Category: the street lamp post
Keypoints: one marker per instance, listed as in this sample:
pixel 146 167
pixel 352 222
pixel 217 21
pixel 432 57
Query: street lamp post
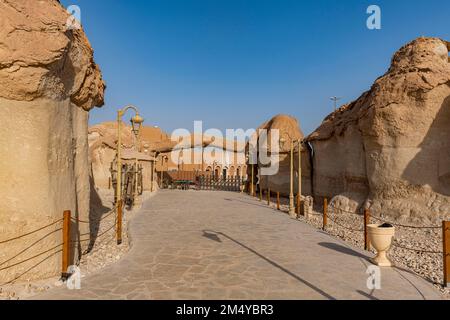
pixel 136 123
pixel 252 187
pixel 291 194
pixel 163 159
pixel 291 176
pixel 335 100
pixel 299 173
pixel 136 128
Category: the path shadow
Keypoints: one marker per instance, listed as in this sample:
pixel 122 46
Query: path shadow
pixel 211 236
pixel 273 263
pixel 367 295
pixel 96 212
pixel 342 249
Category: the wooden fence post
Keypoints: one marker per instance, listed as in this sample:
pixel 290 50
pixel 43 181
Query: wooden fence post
pixel 268 197
pixel 446 251
pixel 119 222
pixel 278 200
pixel 66 243
pixel 325 212
pixel 366 233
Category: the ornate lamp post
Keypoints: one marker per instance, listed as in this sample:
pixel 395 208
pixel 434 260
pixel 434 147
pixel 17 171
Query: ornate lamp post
pixel 252 182
pixel 291 184
pixel 291 194
pixel 163 159
pixel 136 123
pixel 299 171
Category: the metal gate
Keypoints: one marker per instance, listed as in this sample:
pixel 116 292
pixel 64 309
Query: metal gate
pixel 219 184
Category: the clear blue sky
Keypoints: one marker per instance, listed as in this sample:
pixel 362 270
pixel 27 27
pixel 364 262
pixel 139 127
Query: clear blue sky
pixel 236 63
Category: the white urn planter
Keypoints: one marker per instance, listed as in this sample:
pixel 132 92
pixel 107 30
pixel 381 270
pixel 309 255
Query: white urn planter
pixel 380 237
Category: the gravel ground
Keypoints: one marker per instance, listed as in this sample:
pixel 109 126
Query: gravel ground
pixel 349 227
pixel 105 252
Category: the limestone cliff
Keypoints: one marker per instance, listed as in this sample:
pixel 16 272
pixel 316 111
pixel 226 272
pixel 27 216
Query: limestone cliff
pixel 390 149
pixel 49 83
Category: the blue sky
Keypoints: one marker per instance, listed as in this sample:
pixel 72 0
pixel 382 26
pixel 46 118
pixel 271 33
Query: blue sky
pixel 236 63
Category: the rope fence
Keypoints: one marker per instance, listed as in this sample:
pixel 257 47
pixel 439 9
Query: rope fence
pixel 331 214
pixel 62 225
pixel 31 232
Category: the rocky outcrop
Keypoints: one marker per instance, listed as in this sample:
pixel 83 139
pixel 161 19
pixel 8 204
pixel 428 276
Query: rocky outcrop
pixel 103 150
pixel 290 132
pixel 390 149
pixel 41 58
pixel 49 83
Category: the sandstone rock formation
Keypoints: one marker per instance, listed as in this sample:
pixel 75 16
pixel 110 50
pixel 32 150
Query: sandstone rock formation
pixel 289 130
pixel 103 150
pixel 49 83
pixel 390 149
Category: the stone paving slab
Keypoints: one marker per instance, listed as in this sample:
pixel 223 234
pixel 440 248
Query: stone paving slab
pixel 220 245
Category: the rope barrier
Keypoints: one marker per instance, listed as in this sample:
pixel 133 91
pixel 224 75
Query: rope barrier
pixel 30 233
pixel 98 220
pixel 61 250
pixel 31 258
pixel 385 221
pixel 394 244
pixel 31 246
pixel 342 226
pixel 98 236
pixel 416 250
pixel 345 211
pixel 39 263
pixel 402 225
pixel 345 227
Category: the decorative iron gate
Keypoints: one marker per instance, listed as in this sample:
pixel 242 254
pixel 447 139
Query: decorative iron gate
pixel 219 184
pixel 129 184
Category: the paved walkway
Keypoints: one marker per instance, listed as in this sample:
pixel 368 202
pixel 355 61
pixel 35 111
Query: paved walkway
pixel 218 245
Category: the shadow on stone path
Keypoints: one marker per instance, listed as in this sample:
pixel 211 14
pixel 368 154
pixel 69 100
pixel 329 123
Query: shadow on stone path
pixel 219 245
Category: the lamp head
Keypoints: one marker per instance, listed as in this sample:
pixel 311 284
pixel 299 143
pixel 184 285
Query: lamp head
pixel 136 124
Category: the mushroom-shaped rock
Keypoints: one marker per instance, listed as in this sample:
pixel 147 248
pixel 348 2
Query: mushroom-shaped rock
pixel 49 83
pixel 289 134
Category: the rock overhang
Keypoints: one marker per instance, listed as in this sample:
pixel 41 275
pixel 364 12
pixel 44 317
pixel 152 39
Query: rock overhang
pixel 40 57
